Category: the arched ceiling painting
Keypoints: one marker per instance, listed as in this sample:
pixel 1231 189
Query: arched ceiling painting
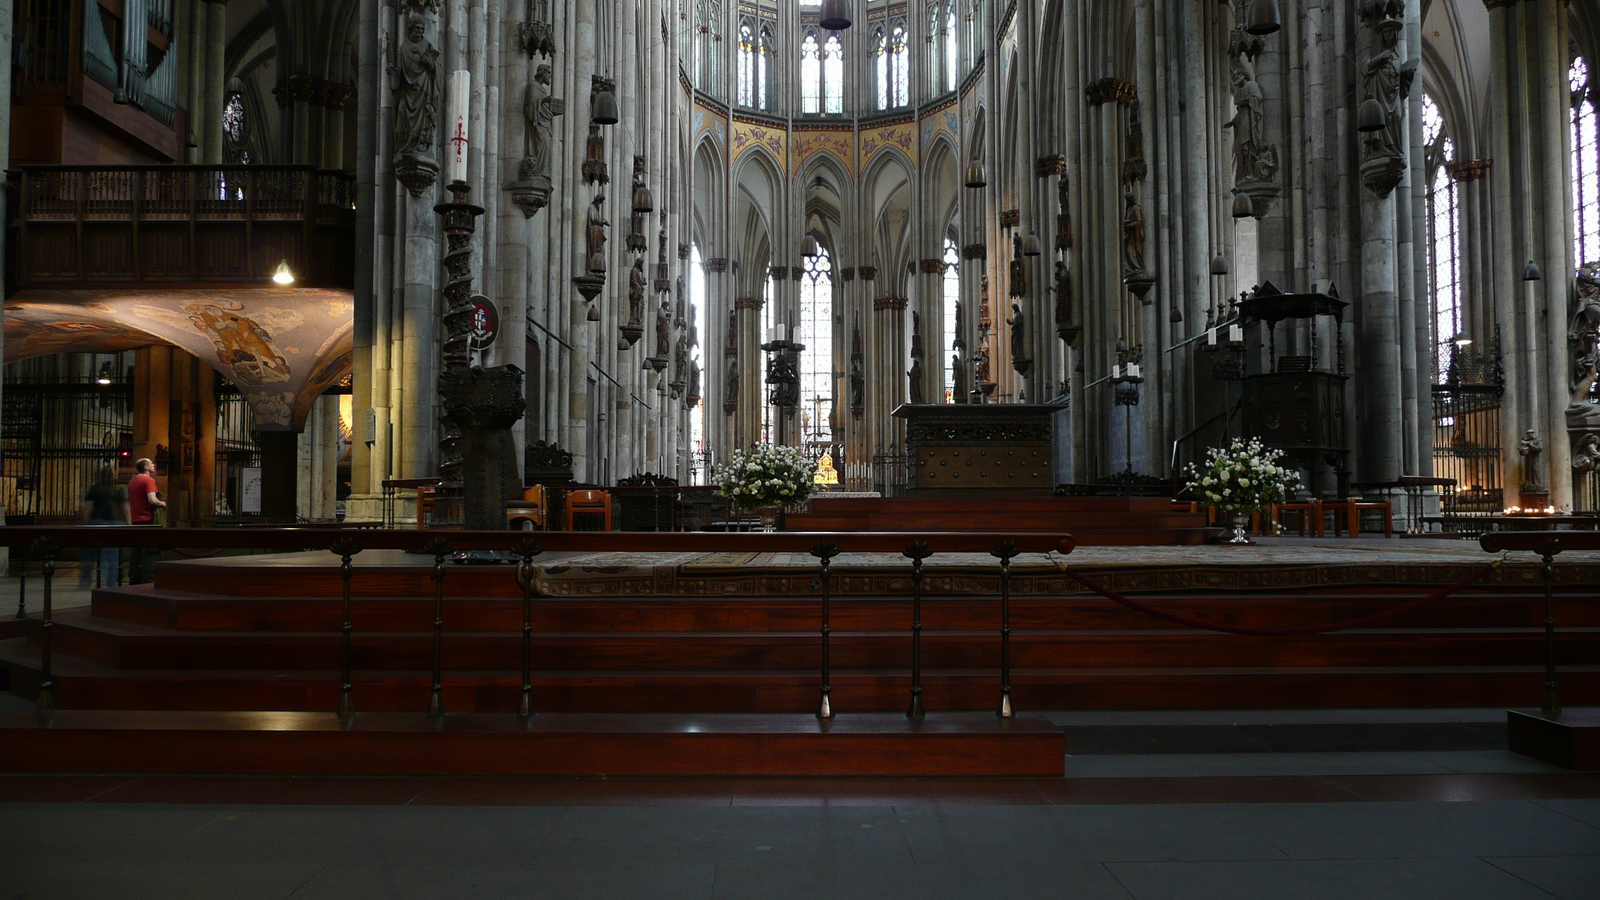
pixel 281 347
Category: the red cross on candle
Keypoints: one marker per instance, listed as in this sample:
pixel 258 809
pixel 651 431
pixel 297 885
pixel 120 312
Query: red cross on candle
pixel 460 140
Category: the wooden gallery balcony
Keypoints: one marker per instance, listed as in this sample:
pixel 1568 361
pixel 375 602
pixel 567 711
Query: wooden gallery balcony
pixel 87 227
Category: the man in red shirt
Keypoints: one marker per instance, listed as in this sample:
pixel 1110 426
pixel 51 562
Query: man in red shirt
pixel 143 501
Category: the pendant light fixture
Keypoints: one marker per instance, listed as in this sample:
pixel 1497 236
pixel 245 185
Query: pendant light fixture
pixel 1030 245
pixel 1264 17
pixel 105 373
pixel 283 275
pixel 1371 116
pixel 642 201
pixel 1243 206
pixel 809 248
pixel 603 111
pixel 1219 265
pixel 975 176
pixel 1532 272
pixel 835 14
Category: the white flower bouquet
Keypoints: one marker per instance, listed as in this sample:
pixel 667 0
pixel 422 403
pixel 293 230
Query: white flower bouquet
pixel 765 475
pixel 1242 477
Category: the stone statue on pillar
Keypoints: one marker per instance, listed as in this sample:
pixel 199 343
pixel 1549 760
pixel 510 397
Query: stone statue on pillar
pixel 663 353
pixel 1387 83
pixel 1531 448
pixel 417 82
pixel 1255 162
pixel 531 191
pixel 917 392
pixel 958 379
pixel 1132 234
pixel 1020 360
pixel 1065 329
pixel 1019 268
pixel 595 235
pixel 730 385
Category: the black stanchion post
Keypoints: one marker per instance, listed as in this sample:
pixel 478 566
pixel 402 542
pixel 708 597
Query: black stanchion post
pixel 825 552
pixel 917 552
pixel 46 549
pixel 346 549
pixel 1004 551
pixel 22 584
pixel 527 550
pixel 440 549
pixel 1552 703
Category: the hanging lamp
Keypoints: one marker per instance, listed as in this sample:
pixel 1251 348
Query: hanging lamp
pixel 283 275
pixel 642 201
pixel 603 111
pixel 835 15
pixel 1219 265
pixel 1243 206
pixel 1532 272
pixel 809 248
pixel 1030 245
pixel 975 176
pixel 1371 116
pixel 1264 17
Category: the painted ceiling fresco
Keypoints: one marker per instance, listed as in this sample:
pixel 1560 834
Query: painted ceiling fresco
pixel 282 347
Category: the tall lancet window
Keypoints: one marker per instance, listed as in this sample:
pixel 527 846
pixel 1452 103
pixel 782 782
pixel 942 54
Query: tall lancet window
pixel 763 68
pixel 759 371
pixel 707 40
pixel 1585 164
pixel 952 294
pixel 700 462
pixel 748 52
pixel 880 66
pixel 833 76
pixel 899 66
pixel 815 330
pixel 1444 246
pixel 810 74
pixel 952 50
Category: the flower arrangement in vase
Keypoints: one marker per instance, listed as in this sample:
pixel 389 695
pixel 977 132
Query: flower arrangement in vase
pixel 1240 479
pixel 765 478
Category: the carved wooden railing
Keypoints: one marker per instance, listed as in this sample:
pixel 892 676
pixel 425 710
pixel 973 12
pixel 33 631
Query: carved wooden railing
pixel 81 226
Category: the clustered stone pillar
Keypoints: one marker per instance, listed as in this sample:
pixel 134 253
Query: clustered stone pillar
pixel 1532 204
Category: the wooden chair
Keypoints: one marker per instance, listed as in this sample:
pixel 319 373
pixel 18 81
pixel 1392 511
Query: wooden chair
pixel 531 513
pixel 1347 514
pixel 581 503
pixel 425 497
pixel 1310 515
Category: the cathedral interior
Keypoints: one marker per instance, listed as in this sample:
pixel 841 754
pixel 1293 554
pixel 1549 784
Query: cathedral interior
pixel 710 224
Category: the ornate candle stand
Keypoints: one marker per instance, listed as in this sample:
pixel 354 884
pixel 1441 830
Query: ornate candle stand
pixel 478 469
pixel 783 380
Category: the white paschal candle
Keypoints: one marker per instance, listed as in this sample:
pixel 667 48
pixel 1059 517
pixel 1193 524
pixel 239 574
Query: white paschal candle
pixel 460 99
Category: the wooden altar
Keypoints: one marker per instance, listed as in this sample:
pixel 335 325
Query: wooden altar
pixel 973 449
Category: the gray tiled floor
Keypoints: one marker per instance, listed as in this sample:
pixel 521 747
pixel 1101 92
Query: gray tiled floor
pixel 1413 851
pixel 885 842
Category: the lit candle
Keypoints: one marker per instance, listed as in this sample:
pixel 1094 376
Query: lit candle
pixel 460 98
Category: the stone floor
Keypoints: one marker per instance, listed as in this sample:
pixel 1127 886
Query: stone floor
pixel 1369 804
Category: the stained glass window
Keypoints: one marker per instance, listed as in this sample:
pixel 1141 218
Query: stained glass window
pixel 880 66
pixel 233 118
pixel 899 67
pixel 833 76
pixel 1444 246
pixel 816 362
pixel 952 294
pixel 747 65
pixel 810 74
pixel 1585 165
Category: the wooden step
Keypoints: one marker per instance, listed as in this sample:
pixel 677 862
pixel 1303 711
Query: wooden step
pixel 83 684
pixel 397 744
pixel 136 647
pixel 1029 612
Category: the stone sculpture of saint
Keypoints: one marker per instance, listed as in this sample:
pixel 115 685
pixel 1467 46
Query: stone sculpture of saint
pixel 1585 326
pixel 1019 334
pixel 664 331
pixel 1019 268
pixel 595 233
pixel 540 112
pixel 984 374
pixel 1388 83
pixel 416 83
pixel 1063 293
pixel 1133 234
pixel 733 330
pixel 1247 116
pixel 917 351
pixel 636 285
pixel 1531 448
pixel 858 382
pixel 958 379
pixel 916 394
pixel 731 383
